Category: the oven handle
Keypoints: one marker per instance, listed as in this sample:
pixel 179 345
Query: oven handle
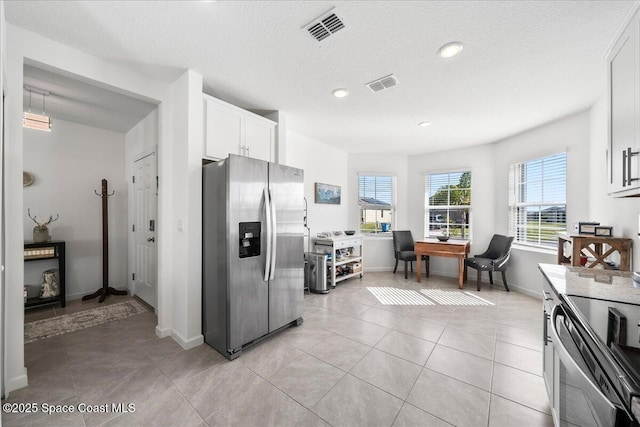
pixel 573 367
pixel 545 318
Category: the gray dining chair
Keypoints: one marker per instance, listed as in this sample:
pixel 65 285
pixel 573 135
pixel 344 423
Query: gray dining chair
pixel 403 251
pixel 495 258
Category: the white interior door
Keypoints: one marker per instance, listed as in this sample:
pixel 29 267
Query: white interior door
pixel 145 229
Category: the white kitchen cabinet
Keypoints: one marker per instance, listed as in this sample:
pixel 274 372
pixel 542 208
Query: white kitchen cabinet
pixel 259 135
pixel 624 112
pixel 232 130
pixel 345 257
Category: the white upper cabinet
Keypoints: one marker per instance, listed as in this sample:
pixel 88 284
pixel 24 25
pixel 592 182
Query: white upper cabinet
pixel 259 134
pixel 624 112
pixel 232 130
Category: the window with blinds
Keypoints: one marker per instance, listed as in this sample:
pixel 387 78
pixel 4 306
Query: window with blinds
pixel 376 203
pixel 538 200
pixel 448 204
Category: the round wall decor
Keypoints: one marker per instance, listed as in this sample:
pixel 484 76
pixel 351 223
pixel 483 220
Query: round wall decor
pixel 27 179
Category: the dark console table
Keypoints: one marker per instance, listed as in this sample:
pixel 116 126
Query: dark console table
pixel 44 251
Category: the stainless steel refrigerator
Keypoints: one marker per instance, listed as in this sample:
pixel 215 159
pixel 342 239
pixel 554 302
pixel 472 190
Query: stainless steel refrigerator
pixel 253 254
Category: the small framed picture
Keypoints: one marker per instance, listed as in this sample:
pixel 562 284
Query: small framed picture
pixel 604 231
pixel 587 227
pixel 327 193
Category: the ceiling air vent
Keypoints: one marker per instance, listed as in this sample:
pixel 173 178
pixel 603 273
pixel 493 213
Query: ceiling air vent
pixel 325 26
pixel 383 83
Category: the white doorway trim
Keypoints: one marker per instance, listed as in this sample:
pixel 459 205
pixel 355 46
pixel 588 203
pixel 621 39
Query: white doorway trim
pixel 143 228
pixel 2 242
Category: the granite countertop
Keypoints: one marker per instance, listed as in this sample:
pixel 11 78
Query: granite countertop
pixel 612 285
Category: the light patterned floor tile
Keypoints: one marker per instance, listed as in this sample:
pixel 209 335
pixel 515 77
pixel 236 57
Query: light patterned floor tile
pixel 471 343
pixel 324 372
pixel 408 347
pixel 521 387
pixel 410 416
pixel 262 405
pixel 456 402
pixel 340 352
pixel 353 402
pixel 519 357
pixel 507 413
pixel 306 379
pixel 387 372
pixel 462 366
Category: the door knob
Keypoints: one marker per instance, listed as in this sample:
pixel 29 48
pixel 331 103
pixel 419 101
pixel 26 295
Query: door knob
pixel 151 239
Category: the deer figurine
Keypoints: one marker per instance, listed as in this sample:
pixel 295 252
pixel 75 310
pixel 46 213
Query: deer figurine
pixel 41 231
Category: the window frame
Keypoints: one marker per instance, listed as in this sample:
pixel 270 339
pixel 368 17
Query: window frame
pixel 393 209
pixel 513 206
pixel 426 221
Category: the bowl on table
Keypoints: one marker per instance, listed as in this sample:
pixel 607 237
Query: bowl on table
pixel 442 238
pixel 350 232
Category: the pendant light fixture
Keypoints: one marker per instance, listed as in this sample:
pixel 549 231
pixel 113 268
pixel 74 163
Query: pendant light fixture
pixel 36 121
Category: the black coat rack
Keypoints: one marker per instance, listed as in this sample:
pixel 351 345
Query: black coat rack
pixel 106 289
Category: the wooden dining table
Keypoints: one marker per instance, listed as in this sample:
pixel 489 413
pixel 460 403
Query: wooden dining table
pixel 452 248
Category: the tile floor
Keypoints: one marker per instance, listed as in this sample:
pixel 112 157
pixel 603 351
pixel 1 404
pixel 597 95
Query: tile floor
pixel 353 362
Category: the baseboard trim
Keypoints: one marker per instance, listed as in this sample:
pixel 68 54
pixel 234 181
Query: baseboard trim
pixel 377 269
pixel 163 332
pixel 185 343
pixel 526 291
pixel 79 295
pixel 17 383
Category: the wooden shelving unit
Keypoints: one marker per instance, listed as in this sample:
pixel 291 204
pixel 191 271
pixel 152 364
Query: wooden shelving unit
pixel 332 246
pixel 597 248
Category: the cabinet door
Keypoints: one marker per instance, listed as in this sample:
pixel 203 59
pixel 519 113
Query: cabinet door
pixel 259 138
pixel 623 72
pixel 223 131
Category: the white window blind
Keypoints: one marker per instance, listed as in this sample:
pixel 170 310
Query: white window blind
pixel 538 200
pixel 448 204
pixel 375 200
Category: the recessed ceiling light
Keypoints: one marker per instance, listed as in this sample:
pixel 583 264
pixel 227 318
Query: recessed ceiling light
pixel 450 50
pixel 424 124
pixel 340 93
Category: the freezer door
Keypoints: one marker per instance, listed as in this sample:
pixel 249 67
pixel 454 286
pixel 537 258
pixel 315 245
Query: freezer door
pixel 248 293
pixel 286 288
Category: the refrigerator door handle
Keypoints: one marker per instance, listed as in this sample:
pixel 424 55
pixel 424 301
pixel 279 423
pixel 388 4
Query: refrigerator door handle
pixel 267 211
pixel 274 237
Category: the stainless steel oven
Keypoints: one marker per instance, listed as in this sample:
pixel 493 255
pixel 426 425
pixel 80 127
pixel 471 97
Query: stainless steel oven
pixel 586 382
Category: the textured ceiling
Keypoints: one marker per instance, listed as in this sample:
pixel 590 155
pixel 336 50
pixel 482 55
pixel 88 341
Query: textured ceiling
pixel 74 100
pixel 524 63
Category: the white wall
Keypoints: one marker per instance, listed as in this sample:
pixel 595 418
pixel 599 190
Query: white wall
pixel 180 215
pixel 141 138
pixel 570 134
pixel 621 213
pixel 68 164
pixel 479 160
pixel 325 164
pixel 378 250
pixel 178 317
pixel 489 165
